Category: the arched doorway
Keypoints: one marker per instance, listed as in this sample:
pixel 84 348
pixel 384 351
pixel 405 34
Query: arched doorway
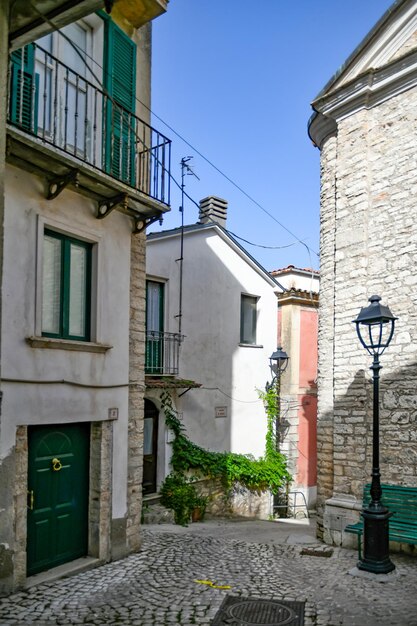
pixel 150 447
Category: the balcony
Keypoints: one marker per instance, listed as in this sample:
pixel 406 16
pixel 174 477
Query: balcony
pixel 63 126
pixel 26 22
pixel 162 353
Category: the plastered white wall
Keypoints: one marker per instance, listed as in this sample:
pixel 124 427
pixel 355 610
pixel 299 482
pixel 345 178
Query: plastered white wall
pixel 214 277
pixel 40 400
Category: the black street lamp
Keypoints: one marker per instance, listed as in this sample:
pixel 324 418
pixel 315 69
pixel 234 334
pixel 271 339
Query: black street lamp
pixel 375 327
pixel 278 362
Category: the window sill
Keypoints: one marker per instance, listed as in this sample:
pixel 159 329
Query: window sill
pixel 250 345
pixel 67 344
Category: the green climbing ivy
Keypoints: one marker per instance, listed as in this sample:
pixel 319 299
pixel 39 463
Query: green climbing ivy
pixel 257 475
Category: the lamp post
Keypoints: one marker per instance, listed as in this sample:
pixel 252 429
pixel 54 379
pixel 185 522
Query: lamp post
pixel 375 327
pixel 278 362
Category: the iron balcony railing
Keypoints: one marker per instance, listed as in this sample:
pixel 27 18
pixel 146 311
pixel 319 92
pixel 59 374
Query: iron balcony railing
pixel 162 352
pixel 61 107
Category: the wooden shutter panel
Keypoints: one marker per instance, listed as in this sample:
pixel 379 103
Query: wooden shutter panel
pixel 120 83
pixel 24 89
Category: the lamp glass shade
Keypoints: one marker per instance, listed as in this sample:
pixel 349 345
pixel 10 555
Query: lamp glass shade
pixel 375 326
pixel 278 360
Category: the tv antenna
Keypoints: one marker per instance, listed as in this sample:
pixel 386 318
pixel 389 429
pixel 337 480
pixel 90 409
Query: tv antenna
pixel 186 170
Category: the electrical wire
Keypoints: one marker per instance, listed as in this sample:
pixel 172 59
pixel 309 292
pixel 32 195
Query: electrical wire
pixel 230 397
pixel 257 245
pixel 84 54
pixel 63 381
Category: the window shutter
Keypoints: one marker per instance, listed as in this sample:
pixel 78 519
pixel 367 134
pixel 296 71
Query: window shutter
pixel 24 89
pixel 120 82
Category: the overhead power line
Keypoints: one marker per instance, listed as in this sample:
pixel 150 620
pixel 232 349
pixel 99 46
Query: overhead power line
pixel 83 54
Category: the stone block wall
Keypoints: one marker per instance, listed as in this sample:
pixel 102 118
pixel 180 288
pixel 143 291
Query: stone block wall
pixel 136 391
pixel 368 246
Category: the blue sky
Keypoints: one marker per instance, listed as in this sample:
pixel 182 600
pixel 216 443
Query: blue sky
pixel 235 78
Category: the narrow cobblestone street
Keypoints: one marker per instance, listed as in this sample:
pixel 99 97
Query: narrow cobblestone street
pixel 157 587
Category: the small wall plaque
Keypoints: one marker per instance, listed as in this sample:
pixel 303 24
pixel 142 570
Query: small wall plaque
pixel 220 411
pixel 113 414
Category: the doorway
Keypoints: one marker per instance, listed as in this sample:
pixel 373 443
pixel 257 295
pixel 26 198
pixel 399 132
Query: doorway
pixel 58 486
pixel 150 447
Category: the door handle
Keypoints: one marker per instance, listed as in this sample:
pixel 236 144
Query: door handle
pixel 56 465
pixel 31 499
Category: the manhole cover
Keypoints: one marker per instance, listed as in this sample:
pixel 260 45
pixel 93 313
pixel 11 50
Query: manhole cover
pixel 258 612
pixel 261 612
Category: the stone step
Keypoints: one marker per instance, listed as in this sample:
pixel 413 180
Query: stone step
pixel 155 513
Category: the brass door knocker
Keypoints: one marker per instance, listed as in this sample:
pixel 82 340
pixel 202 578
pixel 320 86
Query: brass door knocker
pixel 56 465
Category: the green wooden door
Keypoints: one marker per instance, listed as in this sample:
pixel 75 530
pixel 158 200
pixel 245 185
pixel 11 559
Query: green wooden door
pixel 58 479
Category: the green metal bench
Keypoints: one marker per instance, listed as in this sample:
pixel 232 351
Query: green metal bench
pixel 402 502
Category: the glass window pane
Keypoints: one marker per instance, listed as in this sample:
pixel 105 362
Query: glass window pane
pixel 153 306
pixel 77 290
pixel 71 57
pixel 248 319
pixel 45 42
pixel 51 285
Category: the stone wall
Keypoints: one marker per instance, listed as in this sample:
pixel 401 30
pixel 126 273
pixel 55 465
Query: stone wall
pixel 368 245
pixel 136 391
pixel 240 503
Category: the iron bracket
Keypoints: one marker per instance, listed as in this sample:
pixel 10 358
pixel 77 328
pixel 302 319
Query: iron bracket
pixel 142 222
pixel 58 184
pixel 107 206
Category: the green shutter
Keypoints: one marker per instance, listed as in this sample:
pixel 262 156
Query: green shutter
pixel 24 93
pixel 120 83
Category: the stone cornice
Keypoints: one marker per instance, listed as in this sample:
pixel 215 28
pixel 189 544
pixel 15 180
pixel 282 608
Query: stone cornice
pixel 320 128
pixel 365 92
pixel 299 296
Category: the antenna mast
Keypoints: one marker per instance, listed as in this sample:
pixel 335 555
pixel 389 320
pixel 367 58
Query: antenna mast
pixel 186 170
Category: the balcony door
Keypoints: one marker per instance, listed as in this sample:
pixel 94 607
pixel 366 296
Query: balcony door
pixel 65 104
pixel 154 327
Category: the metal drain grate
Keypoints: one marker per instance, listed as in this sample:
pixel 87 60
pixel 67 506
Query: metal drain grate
pixel 257 612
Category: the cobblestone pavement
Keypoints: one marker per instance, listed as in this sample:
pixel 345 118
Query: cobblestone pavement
pixel 157 587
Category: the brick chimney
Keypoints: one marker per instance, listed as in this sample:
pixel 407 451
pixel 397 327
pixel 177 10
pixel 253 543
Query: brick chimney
pixel 213 209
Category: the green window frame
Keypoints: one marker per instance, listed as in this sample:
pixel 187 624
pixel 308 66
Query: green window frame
pixel 66 287
pixel 248 317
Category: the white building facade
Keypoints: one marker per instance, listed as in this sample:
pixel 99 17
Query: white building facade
pixel 227 315
pixel 76 203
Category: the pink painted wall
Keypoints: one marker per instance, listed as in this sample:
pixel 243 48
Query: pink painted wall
pixel 307 399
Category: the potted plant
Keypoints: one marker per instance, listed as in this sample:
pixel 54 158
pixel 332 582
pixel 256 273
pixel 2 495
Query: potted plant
pixel 198 512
